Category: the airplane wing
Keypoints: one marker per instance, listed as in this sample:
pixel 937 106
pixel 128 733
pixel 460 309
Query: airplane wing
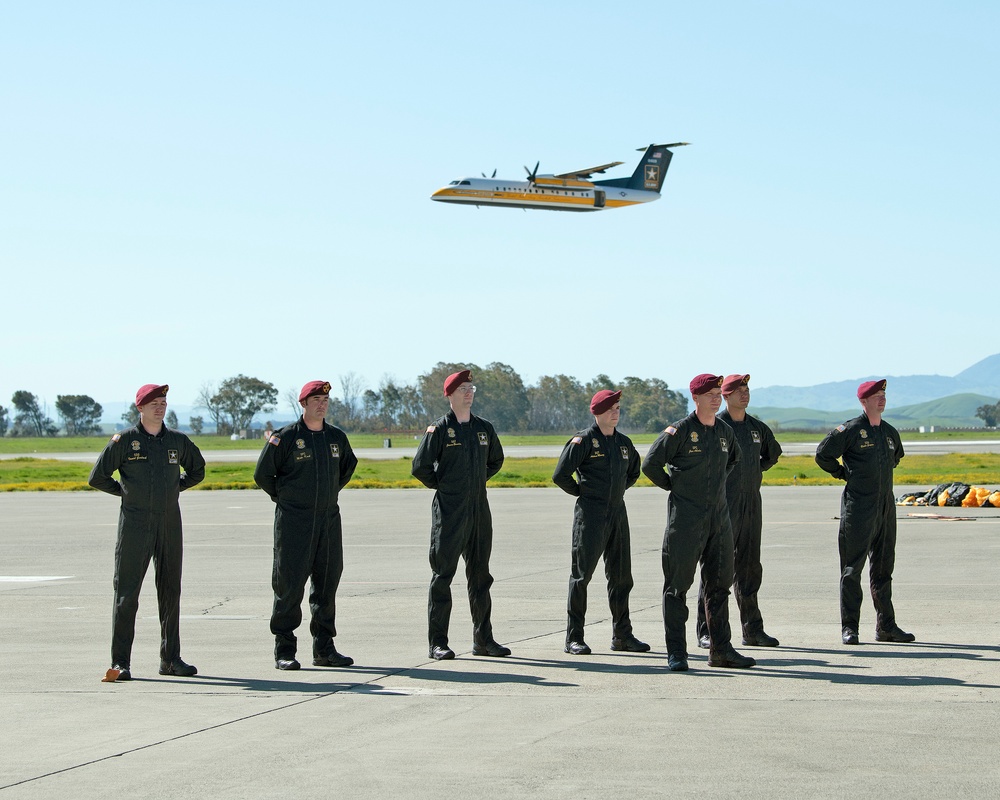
pixel 586 173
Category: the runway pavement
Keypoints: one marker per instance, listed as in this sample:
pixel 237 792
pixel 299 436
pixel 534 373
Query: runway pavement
pixel 922 447
pixel 813 719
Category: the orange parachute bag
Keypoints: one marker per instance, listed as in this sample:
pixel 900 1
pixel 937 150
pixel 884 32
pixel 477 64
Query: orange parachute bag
pixel 976 497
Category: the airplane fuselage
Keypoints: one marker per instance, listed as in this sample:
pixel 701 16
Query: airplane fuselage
pixel 554 194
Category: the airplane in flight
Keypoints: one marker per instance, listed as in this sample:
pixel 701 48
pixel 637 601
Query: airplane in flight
pixel 569 191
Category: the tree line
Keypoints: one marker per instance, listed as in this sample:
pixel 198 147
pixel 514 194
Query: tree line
pixel 80 415
pixel 555 404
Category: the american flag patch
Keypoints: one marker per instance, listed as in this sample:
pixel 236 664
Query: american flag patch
pixel 116 437
pixel 275 440
pixel 576 440
pixel 671 430
pixel 431 428
pixel 841 428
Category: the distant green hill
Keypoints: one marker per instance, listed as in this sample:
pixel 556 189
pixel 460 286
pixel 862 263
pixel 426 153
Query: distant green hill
pixel 956 411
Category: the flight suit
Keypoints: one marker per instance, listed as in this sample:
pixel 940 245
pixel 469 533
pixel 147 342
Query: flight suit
pixel 149 526
pixel 867 513
pixel 692 460
pixel 759 452
pixel 303 471
pixel 456 460
pixel 606 466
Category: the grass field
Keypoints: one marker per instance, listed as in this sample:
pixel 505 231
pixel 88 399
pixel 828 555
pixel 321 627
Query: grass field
pixel 40 474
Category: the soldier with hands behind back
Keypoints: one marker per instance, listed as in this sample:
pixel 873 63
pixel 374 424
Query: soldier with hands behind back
pixel 155 464
pixel 597 466
pixel 456 457
pixel 691 459
pixel 759 451
pixel 863 452
pixel 303 467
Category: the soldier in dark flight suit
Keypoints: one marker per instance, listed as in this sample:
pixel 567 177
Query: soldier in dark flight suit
pixel 759 451
pixel 303 467
pixel 691 459
pixel 608 465
pixel 149 458
pixel 869 449
pixel 457 455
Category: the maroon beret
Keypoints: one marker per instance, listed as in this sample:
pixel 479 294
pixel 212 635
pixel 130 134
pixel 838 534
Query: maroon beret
pixel 700 384
pixel 868 388
pixel 456 379
pixel 150 392
pixel 313 388
pixel 734 382
pixel 603 400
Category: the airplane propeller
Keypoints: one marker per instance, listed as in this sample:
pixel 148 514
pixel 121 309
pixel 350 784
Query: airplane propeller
pixel 492 176
pixel 532 174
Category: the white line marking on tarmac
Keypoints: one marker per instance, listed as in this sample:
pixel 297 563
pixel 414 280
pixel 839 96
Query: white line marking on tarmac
pixel 32 578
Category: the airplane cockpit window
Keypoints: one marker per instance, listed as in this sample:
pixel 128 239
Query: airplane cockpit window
pixel 465 183
pixel 453 183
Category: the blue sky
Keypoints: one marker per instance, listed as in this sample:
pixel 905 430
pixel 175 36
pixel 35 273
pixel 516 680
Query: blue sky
pixel 198 190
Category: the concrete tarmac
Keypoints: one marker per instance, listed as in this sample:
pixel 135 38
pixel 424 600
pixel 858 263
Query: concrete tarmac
pixel 408 449
pixel 813 719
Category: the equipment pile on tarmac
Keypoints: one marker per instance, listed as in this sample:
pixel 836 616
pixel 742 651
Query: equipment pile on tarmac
pixel 952 494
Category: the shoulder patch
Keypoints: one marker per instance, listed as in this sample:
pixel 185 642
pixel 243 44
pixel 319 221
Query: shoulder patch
pixel 116 437
pixel 275 440
pixel 671 430
pixel 431 428
pixel 841 428
pixel 576 440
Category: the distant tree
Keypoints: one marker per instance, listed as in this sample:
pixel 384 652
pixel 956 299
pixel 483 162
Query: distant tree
pixel 371 408
pixel 291 398
pixel 338 414
pixel 390 402
pixel 989 414
pixel 206 399
pixel 4 421
pixel 31 419
pixel 558 403
pixel 602 381
pixel 131 416
pixel 399 406
pixel 501 397
pixel 240 399
pixel 196 424
pixel 352 387
pixel 171 420
pixel 649 404
pixel 411 411
pixel 81 415
pixel 430 388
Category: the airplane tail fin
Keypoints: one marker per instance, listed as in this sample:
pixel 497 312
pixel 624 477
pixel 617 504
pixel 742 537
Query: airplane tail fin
pixel 650 172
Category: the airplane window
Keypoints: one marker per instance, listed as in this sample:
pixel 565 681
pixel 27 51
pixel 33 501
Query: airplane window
pixel 465 183
pixel 453 183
